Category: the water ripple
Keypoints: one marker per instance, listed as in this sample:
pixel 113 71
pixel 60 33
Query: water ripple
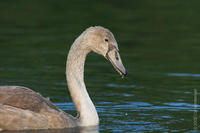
pixel 120 86
pixel 183 75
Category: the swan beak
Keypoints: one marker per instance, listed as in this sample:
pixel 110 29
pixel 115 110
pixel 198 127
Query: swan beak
pixel 114 58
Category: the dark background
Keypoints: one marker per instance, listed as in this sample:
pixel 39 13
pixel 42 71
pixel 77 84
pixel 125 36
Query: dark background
pixel 159 44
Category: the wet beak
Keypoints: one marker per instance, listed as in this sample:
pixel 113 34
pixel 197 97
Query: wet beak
pixel 114 58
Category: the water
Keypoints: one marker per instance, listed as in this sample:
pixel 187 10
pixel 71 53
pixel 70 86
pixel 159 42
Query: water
pixel 159 45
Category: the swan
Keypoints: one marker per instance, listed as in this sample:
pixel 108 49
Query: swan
pixel 22 109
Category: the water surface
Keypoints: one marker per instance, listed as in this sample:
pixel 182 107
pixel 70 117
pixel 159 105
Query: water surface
pixel 159 45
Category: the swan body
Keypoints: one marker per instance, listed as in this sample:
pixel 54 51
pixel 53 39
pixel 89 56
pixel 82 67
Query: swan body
pixel 22 109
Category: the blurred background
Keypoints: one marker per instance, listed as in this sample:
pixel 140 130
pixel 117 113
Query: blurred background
pixel 159 43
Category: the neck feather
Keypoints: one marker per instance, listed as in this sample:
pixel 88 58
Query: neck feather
pixel 75 78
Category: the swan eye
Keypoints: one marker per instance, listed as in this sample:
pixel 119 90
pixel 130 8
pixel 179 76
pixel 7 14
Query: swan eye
pixel 106 40
pixel 116 56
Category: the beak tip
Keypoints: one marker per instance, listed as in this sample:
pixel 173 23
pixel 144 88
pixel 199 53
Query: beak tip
pixel 124 74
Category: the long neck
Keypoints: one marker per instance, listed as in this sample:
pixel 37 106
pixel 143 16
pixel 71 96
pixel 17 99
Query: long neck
pixel 75 78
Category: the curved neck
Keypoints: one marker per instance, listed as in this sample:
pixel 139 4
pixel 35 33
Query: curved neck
pixel 75 78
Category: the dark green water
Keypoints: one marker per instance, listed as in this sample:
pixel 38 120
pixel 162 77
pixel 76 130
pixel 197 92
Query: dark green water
pixel 159 44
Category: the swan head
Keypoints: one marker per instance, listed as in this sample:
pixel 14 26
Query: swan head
pixel 102 41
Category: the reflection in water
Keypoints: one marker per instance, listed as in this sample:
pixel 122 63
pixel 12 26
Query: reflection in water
pixel 93 129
